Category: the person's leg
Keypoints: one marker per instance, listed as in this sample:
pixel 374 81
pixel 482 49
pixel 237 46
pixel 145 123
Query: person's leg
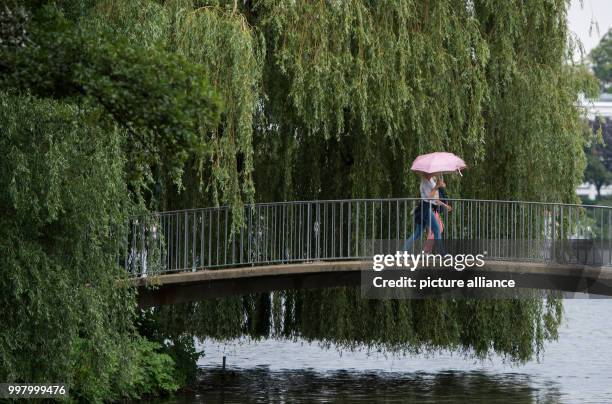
pixel 434 227
pixel 418 230
pixel 440 224
pixel 430 235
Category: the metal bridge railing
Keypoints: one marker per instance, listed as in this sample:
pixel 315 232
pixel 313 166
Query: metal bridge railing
pixel 287 232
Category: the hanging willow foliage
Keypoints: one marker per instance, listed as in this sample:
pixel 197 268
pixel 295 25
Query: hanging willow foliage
pixel 362 87
pixel 225 45
pixel 335 99
pixel 534 132
pixel 357 89
pixel 388 68
pixel 514 329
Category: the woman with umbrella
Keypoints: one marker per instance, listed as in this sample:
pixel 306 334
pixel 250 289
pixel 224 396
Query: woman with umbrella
pixel 427 166
pixel 439 207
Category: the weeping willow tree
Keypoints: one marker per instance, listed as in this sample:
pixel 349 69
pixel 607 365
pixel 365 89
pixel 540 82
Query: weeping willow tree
pixel 334 99
pixel 226 46
pixel 534 132
pixel 356 89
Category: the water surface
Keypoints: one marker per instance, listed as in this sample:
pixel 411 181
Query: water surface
pixel 575 369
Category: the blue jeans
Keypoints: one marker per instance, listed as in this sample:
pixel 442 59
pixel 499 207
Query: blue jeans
pixel 426 219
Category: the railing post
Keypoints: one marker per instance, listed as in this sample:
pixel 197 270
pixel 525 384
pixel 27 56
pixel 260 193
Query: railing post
pixel 308 256
pixel 553 254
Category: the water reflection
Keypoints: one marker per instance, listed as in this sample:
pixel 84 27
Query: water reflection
pixel 260 384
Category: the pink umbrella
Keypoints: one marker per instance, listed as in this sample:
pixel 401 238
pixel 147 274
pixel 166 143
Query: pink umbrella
pixel 438 163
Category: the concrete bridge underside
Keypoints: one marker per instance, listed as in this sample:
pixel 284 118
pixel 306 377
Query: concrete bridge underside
pixel 202 284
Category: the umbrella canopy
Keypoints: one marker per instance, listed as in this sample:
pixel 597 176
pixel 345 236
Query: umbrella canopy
pixel 438 163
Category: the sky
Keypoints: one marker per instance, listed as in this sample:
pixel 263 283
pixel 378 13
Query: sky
pixel 584 19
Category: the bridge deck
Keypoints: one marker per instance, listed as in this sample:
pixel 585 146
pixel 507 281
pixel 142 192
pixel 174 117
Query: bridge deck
pixel 193 286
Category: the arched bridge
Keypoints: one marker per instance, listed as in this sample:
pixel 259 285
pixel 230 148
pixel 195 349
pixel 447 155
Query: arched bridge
pixel 210 252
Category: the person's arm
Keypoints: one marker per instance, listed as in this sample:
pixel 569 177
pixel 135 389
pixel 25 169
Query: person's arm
pixel 439 184
pixel 444 198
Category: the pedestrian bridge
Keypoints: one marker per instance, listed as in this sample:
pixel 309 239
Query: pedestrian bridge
pixel 192 254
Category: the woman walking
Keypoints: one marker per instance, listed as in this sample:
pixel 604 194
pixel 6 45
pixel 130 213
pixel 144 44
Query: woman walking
pixel 439 209
pixel 424 215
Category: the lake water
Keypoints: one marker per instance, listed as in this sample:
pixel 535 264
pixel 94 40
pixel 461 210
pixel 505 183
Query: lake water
pixel 575 369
